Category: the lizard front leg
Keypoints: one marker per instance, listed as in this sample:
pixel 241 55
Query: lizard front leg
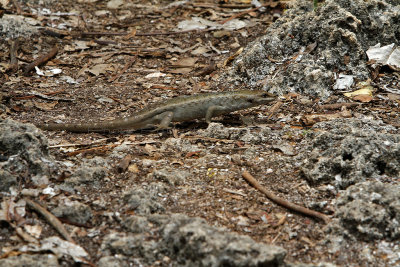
pixel 212 112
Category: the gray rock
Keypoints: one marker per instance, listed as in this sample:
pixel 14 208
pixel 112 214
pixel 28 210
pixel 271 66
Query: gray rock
pixel 351 151
pixel 179 144
pixel 319 264
pixel 145 201
pixel 132 245
pixel 190 242
pixel 40 180
pixel 172 177
pixel 7 180
pixel 87 174
pixel 26 151
pixel 368 211
pixel 340 29
pixel 26 260
pixel 74 212
pixel 218 130
pixel 136 224
pixel 13 26
pixel 110 261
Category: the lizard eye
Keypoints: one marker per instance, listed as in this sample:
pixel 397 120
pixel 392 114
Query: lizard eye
pixel 265 95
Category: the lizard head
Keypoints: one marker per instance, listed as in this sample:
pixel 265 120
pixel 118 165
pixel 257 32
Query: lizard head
pixel 255 98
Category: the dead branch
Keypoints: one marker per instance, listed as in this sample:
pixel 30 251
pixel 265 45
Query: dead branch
pixel 280 201
pixel 18 7
pixel 41 60
pixel 13 55
pixel 50 218
pixel 245 12
pixel 340 105
pixel 124 164
pixel 100 149
pixel 126 67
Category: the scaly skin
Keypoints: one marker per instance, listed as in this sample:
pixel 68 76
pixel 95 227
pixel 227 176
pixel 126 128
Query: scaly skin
pixel 177 109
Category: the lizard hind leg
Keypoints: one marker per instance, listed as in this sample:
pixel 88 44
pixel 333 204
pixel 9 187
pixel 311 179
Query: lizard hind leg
pixel 213 111
pixel 164 119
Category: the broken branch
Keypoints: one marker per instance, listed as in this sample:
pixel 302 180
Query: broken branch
pixel 41 60
pixel 13 55
pixel 280 201
pixel 50 218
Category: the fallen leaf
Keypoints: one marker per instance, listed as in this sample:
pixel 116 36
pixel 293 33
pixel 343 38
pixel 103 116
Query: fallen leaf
pixel 311 119
pixel 155 75
pixel 363 98
pixel 100 69
pixel 181 71
pixel 133 168
pixel 45 106
pixel 386 55
pixel 393 97
pixel 114 4
pixel 77 45
pixel 185 62
pixel 33 230
pixel 59 247
pixel 364 91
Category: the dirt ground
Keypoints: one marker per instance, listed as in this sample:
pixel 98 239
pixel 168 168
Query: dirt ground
pixel 117 57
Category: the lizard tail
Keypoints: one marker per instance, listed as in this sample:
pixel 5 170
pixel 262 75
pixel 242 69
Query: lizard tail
pixel 89 127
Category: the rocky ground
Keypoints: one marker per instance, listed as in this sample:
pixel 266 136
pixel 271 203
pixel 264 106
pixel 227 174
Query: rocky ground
pixel 330 143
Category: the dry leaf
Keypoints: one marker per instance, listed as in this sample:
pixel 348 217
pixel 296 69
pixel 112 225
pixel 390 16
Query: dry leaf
pixel 133 168
pixel 363 98
pixel 33 230
pixel 364 91
pixel 185 62
pixel 181 71
pixel 100 69
pixel 45 106
pixel 393 97
pixel 314 118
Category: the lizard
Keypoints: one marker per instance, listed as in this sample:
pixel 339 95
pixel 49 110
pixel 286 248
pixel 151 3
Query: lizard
pixel 178 109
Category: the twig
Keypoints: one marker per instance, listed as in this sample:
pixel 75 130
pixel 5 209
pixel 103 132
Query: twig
pixel 245 12
pixel 210 68
pixel 235 192
pixel 276 237
pixel 46 96
pixel 41 60
pixel 126 67
pixel 50 218
pixel 124 164
pixel 274 109
pixel 280 201
pixel 143 34
pixel 80 145
pixel 339 105
pixel 27 237
pixel 13 55
pixel 18 7
pixel 91 150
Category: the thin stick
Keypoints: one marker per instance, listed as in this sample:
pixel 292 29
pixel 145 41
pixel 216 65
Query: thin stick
pixel 280 201
pixel 124 164
pixel 143 34
pixel 41 60
pixel 339 105
pixel 90 150
pixel 126 67
pixel 13 55
pixel 245 12
pixel 50 218
pixel 18 7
